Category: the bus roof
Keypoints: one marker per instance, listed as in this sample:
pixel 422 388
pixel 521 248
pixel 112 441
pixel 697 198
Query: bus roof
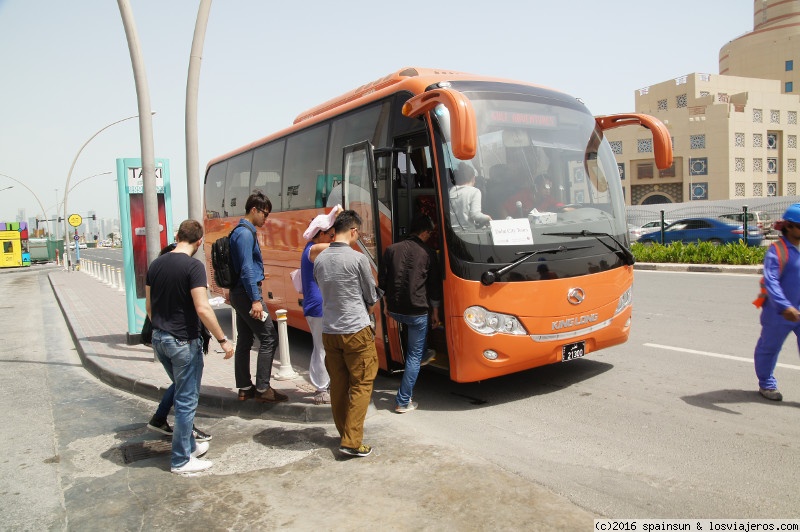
pixel 413 79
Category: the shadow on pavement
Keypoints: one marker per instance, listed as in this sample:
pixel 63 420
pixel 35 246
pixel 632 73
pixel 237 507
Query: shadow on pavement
pixel 453 396
pixel 712 399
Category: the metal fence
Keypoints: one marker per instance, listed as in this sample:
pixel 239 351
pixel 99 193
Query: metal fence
pixel 774 207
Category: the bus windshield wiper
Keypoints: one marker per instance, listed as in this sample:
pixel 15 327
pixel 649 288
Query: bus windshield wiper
pixel 491 276
pixel 621 251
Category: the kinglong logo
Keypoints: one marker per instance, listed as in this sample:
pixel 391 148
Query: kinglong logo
pixel 576 320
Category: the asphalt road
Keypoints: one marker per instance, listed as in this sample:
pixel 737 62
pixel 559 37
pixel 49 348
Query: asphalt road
pixel 110 256
pixel 668 425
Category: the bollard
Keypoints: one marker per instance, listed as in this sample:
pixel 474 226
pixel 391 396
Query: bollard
pixel 112 274
pixel 285 371
pixel 119 277
pixel 105 274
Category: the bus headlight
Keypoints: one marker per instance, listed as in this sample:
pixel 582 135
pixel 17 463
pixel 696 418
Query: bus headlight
pixel 624 301
pixel 487 322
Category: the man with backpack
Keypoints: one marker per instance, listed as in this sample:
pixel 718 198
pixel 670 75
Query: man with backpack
pixel 252 317
pixel 779 301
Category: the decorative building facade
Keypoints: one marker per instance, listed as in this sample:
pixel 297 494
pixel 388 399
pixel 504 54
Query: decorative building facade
pixel 734 134
pixel 732 137
pixel 770 50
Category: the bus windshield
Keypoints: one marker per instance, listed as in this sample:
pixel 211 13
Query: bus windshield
pixel 542 173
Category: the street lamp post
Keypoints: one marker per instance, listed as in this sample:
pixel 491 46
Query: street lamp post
pixel 55 219
pixel 85 179
pixel 44 213
pixel 69 176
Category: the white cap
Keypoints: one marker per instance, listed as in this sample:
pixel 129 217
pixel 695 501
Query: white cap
pixel 321 222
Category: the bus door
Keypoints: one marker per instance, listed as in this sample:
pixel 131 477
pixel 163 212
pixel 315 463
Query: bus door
pixel 415 192
pixel 362 193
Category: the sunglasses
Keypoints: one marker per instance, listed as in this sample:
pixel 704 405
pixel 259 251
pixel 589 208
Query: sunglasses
pixel 264 212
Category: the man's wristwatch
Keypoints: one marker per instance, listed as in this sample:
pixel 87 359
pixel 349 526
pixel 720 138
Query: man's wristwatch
pixel 224 339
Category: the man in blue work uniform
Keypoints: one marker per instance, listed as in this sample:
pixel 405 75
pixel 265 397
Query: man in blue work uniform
pixel 252 317
pixel 779 315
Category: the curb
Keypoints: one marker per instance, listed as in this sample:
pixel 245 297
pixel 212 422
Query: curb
pixel 227 405
pixel 700 268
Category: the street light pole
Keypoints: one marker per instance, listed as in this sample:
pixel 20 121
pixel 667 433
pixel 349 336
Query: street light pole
pixel 86 178
pixel 192 89
pixel 67 189
pixel 152 236
pixel 55 219
pixel 44 213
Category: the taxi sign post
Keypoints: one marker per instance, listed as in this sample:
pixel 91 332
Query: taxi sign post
pixel 130 182
pixel 75 220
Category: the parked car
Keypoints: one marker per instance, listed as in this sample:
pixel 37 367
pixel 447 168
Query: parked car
pixel 654 225
pixel 759 219
pixel 690 230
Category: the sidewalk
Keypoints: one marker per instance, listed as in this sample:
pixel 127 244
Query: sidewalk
pixel 97 318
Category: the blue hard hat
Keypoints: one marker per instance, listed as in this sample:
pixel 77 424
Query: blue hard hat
pixel 792 214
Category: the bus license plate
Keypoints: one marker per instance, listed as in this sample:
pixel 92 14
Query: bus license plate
pixel 573 351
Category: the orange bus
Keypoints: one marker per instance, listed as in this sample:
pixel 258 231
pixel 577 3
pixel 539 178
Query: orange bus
pixel 529 283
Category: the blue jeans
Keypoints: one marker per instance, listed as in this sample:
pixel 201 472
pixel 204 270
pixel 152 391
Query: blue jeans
pixel 166 403
pixel 417 327
pixel 183 361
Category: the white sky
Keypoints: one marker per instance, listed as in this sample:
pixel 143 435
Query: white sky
pixel 65 70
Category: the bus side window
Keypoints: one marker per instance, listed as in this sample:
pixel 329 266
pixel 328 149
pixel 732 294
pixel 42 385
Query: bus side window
pixel 237 184
pixel 305 160
pixel 215 190
pixel 267 171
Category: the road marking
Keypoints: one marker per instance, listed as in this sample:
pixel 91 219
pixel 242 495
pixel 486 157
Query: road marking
pixel 715 355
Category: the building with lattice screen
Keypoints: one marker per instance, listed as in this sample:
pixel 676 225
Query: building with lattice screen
pixel 735 133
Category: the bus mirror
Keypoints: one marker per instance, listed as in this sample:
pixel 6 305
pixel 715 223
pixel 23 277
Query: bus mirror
pixel 662 143
pixel 463 130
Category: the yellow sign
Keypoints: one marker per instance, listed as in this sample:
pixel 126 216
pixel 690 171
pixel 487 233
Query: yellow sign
pixel 75 220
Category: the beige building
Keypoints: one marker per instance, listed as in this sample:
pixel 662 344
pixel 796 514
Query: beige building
pixel 770 50
pixel 734 136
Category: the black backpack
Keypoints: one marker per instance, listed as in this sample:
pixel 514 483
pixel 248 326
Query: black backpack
pixel 225 273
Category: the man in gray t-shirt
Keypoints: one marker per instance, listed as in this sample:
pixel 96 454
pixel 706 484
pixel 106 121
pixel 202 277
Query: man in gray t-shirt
pixel 348 296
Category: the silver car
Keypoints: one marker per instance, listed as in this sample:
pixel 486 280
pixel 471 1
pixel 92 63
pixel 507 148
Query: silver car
pixel 759 219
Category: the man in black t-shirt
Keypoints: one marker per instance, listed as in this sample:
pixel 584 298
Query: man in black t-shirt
pixel 177 303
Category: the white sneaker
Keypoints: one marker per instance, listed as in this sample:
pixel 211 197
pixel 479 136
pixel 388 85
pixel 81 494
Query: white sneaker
pixel 200 449
pixel 194 465
pixel 406 408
